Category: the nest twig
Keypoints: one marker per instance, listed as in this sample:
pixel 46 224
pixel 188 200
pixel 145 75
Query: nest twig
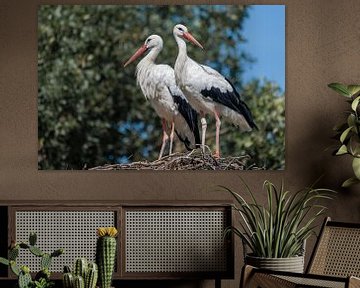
pixel 193 160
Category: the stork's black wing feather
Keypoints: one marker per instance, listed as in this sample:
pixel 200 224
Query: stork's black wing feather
pixel 190 117
pixel 232 100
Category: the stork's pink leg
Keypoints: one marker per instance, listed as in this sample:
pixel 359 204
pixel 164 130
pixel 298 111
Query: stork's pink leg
pixel 164 139
pixel 218 124
pixel 203 130
pixel 172 137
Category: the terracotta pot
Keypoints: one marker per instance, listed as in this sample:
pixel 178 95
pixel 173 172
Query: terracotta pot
pixel 291 264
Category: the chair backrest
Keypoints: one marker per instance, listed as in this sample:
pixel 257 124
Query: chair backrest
pixel 337 251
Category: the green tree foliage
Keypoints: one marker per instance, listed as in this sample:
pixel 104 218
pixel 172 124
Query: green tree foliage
pixel 266 146
pixel 90 111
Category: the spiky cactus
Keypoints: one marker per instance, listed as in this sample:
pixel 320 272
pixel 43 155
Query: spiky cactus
pixel 23 273
pixel 36 251
pixel 79 282
pixel 13 253
pixel 87 272
pixel 24 280
pixel 32 239
pixel 106 254
pixel 80 267
pixel 14 267
pixel 45 261
pixel 91 275
pixel 68 280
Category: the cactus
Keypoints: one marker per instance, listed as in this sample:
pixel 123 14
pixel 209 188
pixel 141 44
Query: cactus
pixel 57 252
pixel 67 269
pixel 79 282
pixel 14 268
pixel 91 276
pixel 13 253
pixel 23 273
pixel 87 272
pixel 24 280
pixel 36 251
pixel 32 238
pixel 105 254
pixel 24 246
pixel 80 267
pixel 45 261
pixel 68 280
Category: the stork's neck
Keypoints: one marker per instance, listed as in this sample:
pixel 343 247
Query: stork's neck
pixel 143 68
pixel 150 57
pixel 182 46
pixel 182 55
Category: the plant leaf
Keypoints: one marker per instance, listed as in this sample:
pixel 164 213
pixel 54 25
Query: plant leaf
pixel 340 88
pixel 353 89
pixel 342 150
pixel 351 120
pixel 354 143
pixel 4 261
pixel 355 103
pixel 345 134
pixel 349 182
pixel 356 167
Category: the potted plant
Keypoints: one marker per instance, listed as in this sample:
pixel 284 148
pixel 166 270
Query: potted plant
pixel 87 274
pixel 42 278
pixel 276 233
pixel 84 274
pixel 348 133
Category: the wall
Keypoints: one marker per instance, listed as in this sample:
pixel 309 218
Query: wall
pixel 323 40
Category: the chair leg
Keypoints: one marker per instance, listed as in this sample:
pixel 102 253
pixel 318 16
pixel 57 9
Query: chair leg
pixel 246 274
pixel 217 283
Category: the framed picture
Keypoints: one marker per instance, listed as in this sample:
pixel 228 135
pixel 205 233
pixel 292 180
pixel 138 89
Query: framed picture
pixel 190 87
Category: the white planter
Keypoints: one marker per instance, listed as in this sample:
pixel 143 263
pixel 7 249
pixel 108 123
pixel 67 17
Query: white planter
pixel 291 264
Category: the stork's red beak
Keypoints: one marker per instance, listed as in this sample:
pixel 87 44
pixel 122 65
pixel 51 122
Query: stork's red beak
pixel 137 54
pixel 192 39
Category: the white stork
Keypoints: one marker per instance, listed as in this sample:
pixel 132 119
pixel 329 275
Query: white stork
pixel 158 85
pixel 208 91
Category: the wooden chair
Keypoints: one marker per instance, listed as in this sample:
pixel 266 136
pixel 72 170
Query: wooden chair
pixel 335 262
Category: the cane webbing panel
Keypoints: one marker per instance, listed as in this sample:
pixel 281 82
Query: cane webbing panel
pixel 175 241
pixel 75 231
pixel 267 280
pixel 338 252
pixel 313 282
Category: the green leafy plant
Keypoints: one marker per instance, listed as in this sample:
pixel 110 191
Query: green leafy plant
pixel 348 133
pixel 42 278
pixel 279 229
pixel 43 283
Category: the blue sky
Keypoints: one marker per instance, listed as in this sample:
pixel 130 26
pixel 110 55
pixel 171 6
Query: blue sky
pixel 264 30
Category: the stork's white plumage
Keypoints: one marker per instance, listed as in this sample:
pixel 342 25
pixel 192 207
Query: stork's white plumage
pixel 208 91
pixel 157 82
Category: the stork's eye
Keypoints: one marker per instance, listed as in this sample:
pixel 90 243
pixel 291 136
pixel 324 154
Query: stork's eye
pixel 148 40
pixel 181 29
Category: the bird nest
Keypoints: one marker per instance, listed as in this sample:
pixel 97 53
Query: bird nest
pixel 193 160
